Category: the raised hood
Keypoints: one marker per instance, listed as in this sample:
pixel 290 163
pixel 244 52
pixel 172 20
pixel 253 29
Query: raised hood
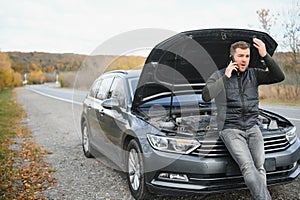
pixel 183 63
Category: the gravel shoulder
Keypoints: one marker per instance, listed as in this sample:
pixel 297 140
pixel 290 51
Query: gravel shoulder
pixel 55 126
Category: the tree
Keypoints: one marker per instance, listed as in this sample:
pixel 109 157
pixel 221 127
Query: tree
pixel 36 77
pixel 17 80
pixel 291 28
pixel 267 19
pixel 291 36
pixel 6 72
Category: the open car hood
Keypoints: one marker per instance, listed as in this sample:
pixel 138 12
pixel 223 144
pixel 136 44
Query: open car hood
pixel 183 63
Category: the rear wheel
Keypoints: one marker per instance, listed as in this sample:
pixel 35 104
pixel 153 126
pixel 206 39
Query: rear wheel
pixel 135 171
pixel 86 140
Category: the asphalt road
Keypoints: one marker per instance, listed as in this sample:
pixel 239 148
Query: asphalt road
pixel 290 112
pixel 53 123
pixel 68 95
pixel 76 97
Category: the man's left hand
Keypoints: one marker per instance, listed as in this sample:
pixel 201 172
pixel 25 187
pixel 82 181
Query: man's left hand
pixel 261 47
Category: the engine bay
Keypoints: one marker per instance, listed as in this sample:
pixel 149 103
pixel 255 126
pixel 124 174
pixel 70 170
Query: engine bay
pixel 186 124
pixel 201 123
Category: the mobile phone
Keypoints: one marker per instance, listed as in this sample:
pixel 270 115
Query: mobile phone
pixel 232 59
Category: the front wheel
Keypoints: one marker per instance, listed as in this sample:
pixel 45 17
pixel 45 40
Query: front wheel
pixel 135 171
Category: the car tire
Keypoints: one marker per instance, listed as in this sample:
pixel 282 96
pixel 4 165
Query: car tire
pixel 135 171
pixel 86 140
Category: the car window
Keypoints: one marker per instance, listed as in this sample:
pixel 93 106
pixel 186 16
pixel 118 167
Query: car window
pixel 177 100
pixel 94 88
pixel 104 88
pixel 117 91
pixel 132 85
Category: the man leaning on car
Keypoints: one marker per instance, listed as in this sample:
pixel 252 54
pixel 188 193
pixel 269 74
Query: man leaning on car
pixel 235 90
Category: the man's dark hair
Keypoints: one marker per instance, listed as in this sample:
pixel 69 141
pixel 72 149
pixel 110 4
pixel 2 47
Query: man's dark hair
pixel 239 44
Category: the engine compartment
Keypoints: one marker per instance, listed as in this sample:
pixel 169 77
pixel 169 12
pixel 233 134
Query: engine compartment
pixel 206 121
pixel 186 123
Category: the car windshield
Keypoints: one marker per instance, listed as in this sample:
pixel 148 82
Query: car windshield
pixel 182 100
pixel 189 103
pixel 179 101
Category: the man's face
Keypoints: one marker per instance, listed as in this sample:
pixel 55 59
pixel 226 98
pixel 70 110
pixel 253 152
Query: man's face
pixel 242 58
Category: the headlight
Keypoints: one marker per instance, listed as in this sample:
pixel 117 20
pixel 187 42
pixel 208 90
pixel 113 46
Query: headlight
pixel 175 145
pixel 291 135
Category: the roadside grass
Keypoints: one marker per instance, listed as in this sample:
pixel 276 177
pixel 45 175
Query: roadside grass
pixel 23 172
pixel 10 112
pixel 280 102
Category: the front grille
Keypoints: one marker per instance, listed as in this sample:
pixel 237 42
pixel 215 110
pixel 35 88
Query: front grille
pixel 211 148
pixel 275 143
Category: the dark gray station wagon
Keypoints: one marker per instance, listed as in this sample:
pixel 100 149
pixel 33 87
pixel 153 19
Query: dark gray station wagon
pixel 153 124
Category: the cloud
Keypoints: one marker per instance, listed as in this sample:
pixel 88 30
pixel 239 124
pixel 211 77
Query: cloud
pixel 80 26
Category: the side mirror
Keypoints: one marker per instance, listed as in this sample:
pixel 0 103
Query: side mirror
pixel 111 104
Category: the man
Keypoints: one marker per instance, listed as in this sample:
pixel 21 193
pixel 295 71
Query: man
pixel 235 90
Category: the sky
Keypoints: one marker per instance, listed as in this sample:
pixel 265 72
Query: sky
pixel 80 26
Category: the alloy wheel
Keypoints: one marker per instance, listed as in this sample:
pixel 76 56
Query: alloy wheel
pixel 134 169
pixel 85 139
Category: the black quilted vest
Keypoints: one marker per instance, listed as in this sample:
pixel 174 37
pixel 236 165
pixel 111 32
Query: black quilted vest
pixel 238 104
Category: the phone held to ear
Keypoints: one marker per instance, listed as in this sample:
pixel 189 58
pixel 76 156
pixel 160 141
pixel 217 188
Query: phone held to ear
pixel 232 59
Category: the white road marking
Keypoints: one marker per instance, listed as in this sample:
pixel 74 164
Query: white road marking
pixel 54 97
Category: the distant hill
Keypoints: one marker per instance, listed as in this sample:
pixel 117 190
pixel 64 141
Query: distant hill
pixel 46 62
pixel 40 67
pixel 49 62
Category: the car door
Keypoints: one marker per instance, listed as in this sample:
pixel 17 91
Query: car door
pixel 90 104
pixel 98 139
pixel 114 121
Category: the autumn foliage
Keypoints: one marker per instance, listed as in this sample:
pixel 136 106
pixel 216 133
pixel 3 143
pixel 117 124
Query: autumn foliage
pixel 42 67
pixel 8 77
pixel 80 71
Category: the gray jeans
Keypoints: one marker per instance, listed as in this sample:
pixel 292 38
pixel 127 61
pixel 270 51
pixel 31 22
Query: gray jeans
pixel 247 149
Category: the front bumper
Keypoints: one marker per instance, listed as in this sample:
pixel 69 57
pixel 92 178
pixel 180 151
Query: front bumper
pixel 206 175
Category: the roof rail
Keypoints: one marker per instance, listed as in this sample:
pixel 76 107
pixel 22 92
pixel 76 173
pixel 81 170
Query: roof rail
pixel 118 71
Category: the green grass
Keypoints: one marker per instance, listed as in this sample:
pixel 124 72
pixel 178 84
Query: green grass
pixel 10 113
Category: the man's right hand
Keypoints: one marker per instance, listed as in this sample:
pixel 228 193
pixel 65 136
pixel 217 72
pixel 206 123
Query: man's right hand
pixel 232 66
